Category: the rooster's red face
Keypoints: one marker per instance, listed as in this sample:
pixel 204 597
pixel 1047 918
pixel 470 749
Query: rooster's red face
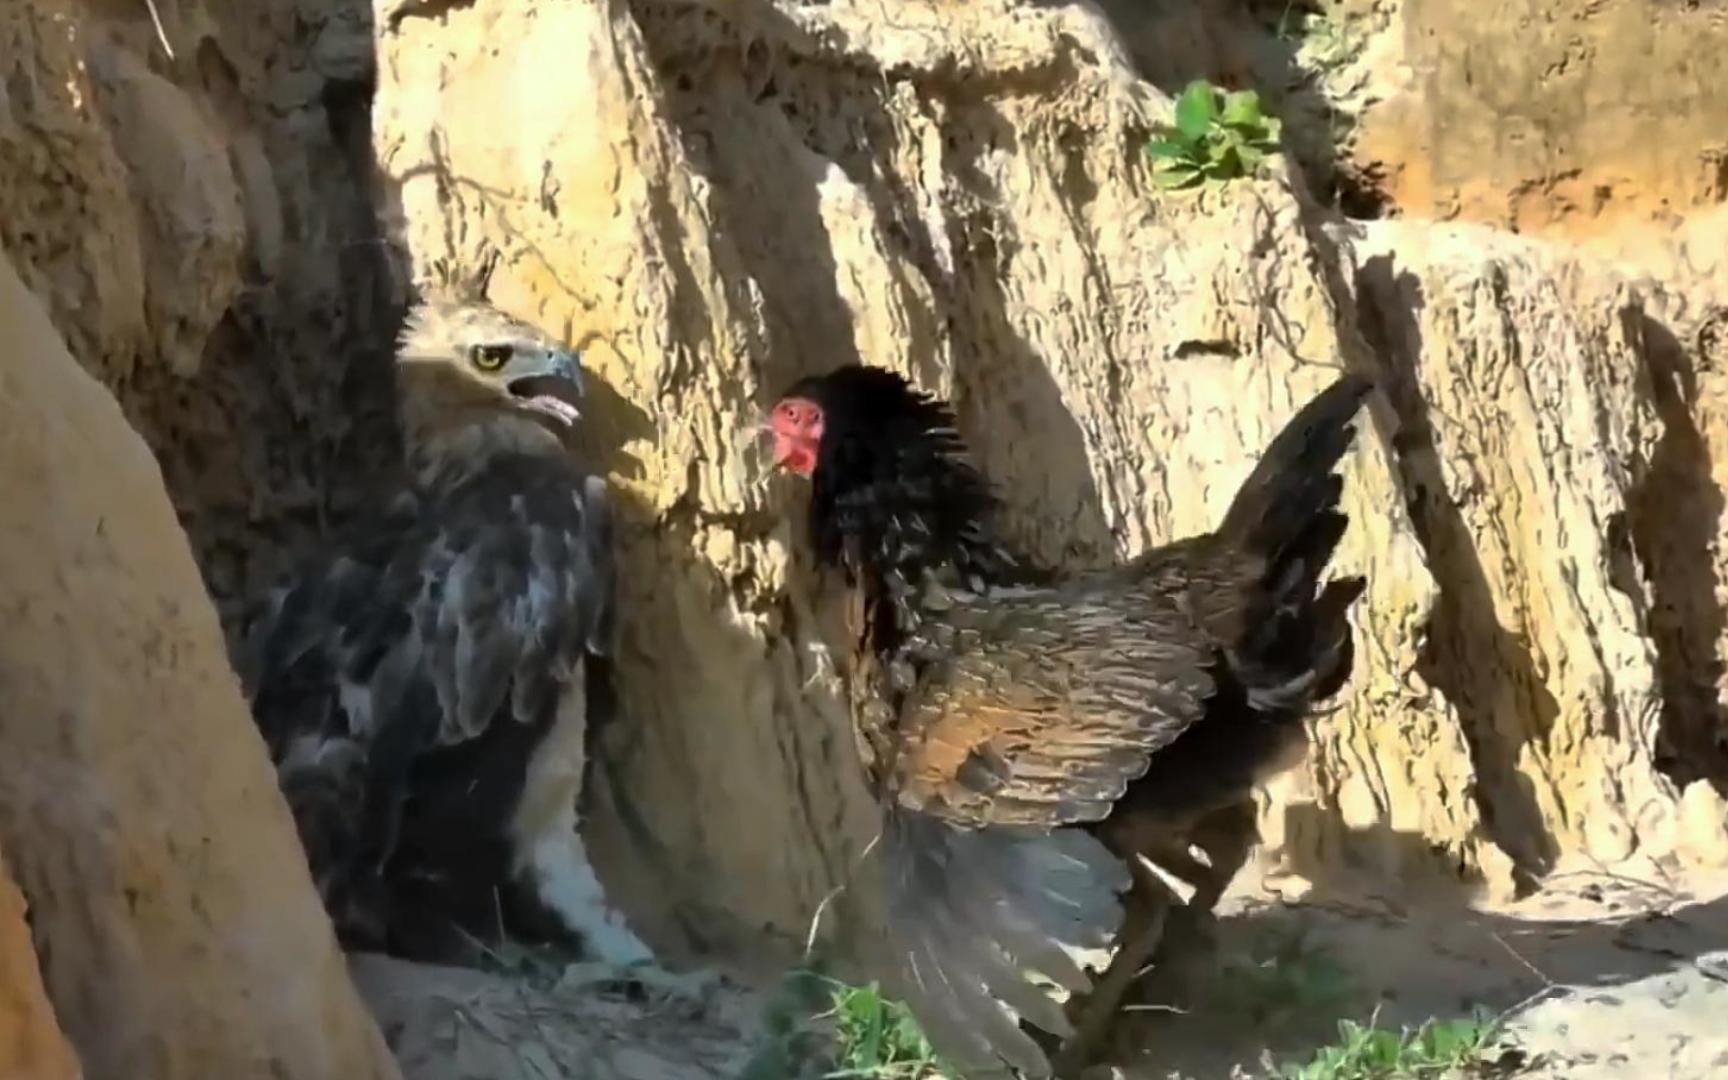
pixel 797 426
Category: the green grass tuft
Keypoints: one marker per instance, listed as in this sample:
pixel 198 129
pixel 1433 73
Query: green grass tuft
pixel 877 1037
pixel 819 1028
pixel 1438 1048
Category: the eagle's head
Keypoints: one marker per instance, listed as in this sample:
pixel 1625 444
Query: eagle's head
pixel 471 381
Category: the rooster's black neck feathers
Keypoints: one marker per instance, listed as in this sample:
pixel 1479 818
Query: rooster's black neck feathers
pixel 894 498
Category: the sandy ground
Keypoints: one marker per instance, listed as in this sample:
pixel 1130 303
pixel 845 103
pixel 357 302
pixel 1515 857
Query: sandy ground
pixel 462 1024
pixel 1601 973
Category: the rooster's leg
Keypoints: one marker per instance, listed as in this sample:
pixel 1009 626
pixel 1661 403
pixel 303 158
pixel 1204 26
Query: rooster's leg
pixel 1227 836
pixel 1149 901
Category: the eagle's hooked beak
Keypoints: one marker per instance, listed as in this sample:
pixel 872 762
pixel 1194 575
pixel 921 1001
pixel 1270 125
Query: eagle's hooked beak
pixel 565 365
pixel 553 386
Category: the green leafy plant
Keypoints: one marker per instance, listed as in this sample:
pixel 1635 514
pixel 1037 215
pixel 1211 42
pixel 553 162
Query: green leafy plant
pixel 1439 1048
pixel 820 1028
pixel 1217 137
pixel 878 1038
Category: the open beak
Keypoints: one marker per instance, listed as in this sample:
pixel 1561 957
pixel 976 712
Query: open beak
pixel 554 387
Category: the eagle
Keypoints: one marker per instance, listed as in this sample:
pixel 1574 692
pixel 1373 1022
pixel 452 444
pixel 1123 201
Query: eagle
pixel 421 680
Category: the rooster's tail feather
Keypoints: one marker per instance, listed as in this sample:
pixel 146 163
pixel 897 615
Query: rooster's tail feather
pixel 1298 646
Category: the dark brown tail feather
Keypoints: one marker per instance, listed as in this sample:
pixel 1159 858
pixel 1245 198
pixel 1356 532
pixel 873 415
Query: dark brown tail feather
pixel 1294 481
pixel 1298 647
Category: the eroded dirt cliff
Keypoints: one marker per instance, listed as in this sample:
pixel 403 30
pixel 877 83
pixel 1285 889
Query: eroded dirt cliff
pixel 171 911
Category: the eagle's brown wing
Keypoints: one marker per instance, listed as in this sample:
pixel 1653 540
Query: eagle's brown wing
pixel 425 624
pixel 1037 707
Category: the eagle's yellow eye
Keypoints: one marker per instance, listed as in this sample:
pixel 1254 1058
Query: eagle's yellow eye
pixel 489 357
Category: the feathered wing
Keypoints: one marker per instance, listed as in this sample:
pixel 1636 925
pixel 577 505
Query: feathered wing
pixel 972 914
pixel 1024 710
pixel 422 626
pixel 1038 706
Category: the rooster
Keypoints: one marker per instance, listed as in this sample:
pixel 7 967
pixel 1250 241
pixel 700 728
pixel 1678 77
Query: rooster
pixel 1034 737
